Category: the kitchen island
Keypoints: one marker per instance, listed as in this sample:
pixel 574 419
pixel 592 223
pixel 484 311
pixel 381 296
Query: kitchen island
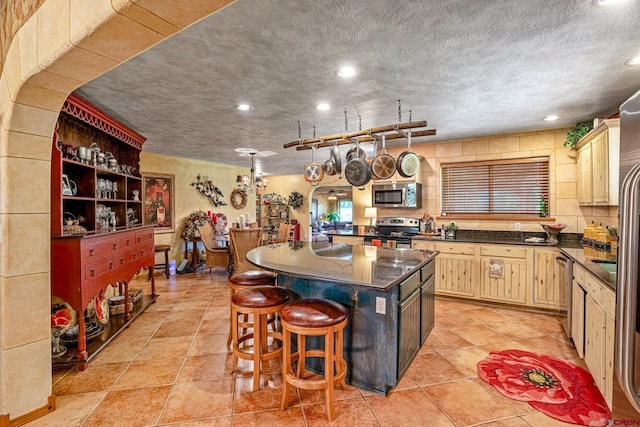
pixel 389 294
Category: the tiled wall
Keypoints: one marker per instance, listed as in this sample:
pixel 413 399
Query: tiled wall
pixel 563 205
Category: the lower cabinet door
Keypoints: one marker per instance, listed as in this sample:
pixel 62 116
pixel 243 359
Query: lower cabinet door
pixel 408 331
pixel 427 303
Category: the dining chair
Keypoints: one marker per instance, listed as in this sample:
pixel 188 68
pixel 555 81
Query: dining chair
pixel 216 256
pixel 283 233
pixel 242 241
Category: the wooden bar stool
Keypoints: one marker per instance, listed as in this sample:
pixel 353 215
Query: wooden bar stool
pixel 249 279
pixel 259 301
pixel 313 317
pixel 161 266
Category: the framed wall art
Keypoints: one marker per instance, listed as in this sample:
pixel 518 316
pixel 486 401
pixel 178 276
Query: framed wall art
pixel 159 204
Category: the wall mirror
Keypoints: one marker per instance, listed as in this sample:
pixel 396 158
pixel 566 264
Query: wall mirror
pixel 334 198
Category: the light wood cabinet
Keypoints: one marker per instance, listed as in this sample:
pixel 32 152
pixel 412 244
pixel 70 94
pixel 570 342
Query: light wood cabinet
pixel 456 267
pixel 549 280
pixel 597 164
pixel 349 240
pixel 577 316
pixel 504 274
pixel 593 327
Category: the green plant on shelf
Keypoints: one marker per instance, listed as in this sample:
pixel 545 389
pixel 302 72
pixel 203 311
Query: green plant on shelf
pixel 575 133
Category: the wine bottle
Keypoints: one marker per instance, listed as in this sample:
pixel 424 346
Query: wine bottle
pixel 160 209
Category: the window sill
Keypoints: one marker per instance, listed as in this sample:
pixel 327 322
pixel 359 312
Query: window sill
pixel 522 218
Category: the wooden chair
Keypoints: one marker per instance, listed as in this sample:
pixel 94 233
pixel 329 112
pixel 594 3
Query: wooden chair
pixel 216 255
pixel 242 241
pixel 283 233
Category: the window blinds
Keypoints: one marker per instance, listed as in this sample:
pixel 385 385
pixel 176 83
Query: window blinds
pixel 511 187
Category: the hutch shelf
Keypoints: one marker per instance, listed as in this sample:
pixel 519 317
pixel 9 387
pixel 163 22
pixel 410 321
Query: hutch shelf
pixel 97 237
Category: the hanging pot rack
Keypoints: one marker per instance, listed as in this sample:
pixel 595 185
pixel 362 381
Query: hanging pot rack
pixel 369 138
pixel 363 135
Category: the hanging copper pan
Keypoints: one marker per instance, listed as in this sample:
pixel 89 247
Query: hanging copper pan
pixel 383 166
pixel 408 162
pixel 313 171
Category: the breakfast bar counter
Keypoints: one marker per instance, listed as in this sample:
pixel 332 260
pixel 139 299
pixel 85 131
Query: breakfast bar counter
pixel 389 294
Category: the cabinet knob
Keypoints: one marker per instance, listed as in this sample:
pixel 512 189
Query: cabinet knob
pixel 135 256
pixel 110 265
pixel 115 246
pixel 93 272
pixel 91 252
pixel 121 260
pixel 128 242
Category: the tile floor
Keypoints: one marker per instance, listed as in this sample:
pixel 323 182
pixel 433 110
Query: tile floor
pixel 171 368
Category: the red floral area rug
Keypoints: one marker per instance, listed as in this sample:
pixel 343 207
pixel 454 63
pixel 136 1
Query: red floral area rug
pixel 553 386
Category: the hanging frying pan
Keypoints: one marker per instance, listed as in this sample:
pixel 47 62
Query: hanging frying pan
pixel 330 165
pixel 356 152
pixel 383 166
pixel 408 162
pixel 313 171
pixel 357 171
pixel 335 157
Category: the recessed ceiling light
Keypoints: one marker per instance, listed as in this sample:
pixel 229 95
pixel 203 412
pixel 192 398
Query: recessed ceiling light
pixel 323 107
pixel 550 118
pixel 244 107
pixel 347 72
pixel 633 61
pixel 605 3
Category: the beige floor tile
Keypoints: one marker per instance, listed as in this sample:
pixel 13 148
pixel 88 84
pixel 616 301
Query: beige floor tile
pixel 485 315
pixel 211 422
pixel 273 418
pixel 479 405
pixel 465 359
pixel 479 334
pixel 157 348
pixel 196 400
pixel 269 396
pixel 539 419
pixel 509 422
pixel 206 367
pixel 122 349
pixel 71 410
pixel 148 373
pixel 135 407
pixel 209 344
pixel 445 339
pixel 352 412
pixel 407 408
pixel 432 369
pixel 97 377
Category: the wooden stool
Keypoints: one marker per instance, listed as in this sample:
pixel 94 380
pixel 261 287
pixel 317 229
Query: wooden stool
pixel 260 301
pixel 165 265
pixel 249 279
pixel 314 317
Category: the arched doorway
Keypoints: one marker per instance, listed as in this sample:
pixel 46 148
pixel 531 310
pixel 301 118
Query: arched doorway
pixel 62 46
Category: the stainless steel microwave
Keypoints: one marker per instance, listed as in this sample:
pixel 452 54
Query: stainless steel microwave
pixel 399 195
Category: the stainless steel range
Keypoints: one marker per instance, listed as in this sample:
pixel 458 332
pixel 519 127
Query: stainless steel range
pixel 393 232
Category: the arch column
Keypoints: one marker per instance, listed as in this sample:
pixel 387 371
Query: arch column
pixel 65 44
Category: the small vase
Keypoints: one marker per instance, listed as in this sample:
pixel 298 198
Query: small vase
pixel 57 349
pixel 450 234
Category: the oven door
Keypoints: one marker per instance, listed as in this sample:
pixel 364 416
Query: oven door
pixel 388 242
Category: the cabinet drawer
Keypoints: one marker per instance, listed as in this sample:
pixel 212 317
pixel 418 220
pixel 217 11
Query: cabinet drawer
pixel 579 273
pixel 409 285
pixel 143 236
pixel 100 246
pixel 503 251
pixel 594 288
pixel 427 271
pixel 99 268
pixel 610 302
pixel 454 248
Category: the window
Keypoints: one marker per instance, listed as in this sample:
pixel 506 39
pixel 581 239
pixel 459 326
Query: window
pixel 500 188
pixel 345 209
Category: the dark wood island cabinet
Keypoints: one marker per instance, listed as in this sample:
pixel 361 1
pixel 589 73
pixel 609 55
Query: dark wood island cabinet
pixel 389 294
pixel 97 237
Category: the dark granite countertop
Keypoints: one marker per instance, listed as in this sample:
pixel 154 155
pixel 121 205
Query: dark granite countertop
pixel 585 256
pixel 370 266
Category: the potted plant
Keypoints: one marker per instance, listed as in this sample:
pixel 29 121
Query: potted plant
pixel 575 133
pixel 333 217
pixel 450 231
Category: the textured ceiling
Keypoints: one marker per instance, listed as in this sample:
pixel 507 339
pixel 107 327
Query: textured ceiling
pixel 468 67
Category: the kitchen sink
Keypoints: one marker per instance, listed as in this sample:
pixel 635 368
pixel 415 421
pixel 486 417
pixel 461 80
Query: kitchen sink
pixel 606 265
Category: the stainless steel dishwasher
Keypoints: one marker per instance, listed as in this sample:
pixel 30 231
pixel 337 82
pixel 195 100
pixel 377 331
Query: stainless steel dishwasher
pixel 566 276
